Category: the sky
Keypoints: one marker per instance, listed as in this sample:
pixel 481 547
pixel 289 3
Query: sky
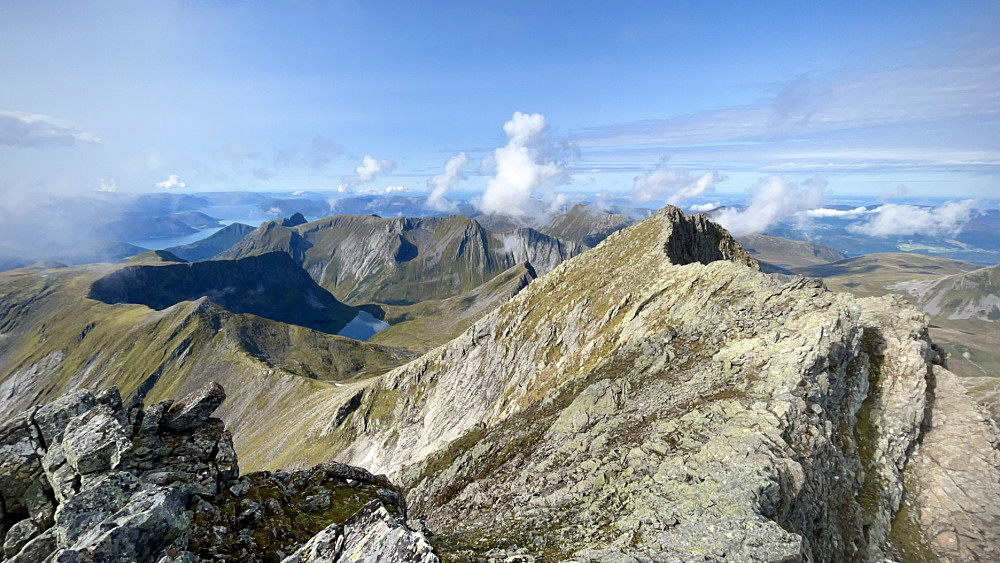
pixel 654 101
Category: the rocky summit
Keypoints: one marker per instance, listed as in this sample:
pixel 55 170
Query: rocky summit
pixel 87 478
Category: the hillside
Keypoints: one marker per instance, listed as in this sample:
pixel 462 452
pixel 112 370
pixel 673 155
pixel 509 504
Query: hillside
pixel 365 259
pixel 786 252
pixel 429 324
pixel 53 339
pixel 208 247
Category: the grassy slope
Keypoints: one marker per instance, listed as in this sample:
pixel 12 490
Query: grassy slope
pixel 53 340
pixel 432 323
pixel 785 252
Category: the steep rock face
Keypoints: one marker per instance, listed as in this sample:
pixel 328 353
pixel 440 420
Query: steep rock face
pixel 269 285
pixel 87 479
pixel 657 397
pixel 364 258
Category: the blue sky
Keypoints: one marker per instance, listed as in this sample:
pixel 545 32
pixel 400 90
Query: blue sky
pixel 198 96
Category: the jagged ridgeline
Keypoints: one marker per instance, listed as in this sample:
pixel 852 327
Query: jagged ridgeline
pixel 364 258
pixel 654 398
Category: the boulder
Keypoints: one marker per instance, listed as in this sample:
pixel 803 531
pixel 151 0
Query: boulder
pixel 194 409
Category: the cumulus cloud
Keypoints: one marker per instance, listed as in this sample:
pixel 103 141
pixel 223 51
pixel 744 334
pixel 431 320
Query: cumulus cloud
pixel 34 130
pixel 704 207
pixel 672 185
pixel 107 186
pixel 771 201
pixel 442 183
pixel 174 181
pixel 900 220
pixel 386 190
pixel 523 165
pixel 370 167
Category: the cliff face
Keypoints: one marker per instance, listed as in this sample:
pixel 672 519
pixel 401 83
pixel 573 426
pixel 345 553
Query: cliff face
pixel 268 285
pixel 87 478
pixel 659 397
pixel 363 258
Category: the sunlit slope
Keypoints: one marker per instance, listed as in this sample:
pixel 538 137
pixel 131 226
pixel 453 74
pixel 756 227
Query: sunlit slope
pixel 784 252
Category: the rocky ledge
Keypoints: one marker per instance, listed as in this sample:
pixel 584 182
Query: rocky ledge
pixel 87 478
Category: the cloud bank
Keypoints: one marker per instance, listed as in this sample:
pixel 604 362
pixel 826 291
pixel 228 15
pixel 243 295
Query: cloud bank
pixel 444 182
pixel 672 185
pixel 523 165
pixel 901 220
pixel 34 130
pixel 771 201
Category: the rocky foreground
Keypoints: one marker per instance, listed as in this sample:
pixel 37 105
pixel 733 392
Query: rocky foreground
pixel 86 478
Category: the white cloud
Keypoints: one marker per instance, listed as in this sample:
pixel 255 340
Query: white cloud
pixel 386 190
pixel 900 220
pixel 824 212
pixel 298 193
pixel 35 130
pixel 370 166
pixel 107 186
pixel 703 207
pixel 771 201
pixel 672 185
pixel 442 183
pixel 174 181
pixel 522 166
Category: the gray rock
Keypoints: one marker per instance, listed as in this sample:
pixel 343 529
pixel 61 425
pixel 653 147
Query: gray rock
pixel 93 505
pixel 373 535
pixel 39 549
pixel 53 417
pixel 20 460
pixel 194 409
pixel 325 546
pixel 95 441
pixel 18 535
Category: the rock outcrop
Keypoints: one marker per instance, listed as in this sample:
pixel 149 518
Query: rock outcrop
pixel 86 478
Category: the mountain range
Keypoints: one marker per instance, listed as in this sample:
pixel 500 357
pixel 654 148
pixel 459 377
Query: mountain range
pixel 656 397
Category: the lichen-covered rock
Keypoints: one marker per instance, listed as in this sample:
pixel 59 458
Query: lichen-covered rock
pixel 193 410
pixel 18 535
pixel 372 535
pixel 87 479
pixel 95 441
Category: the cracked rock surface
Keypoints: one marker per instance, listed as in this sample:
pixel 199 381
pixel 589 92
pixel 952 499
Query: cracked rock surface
pixel 86 479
